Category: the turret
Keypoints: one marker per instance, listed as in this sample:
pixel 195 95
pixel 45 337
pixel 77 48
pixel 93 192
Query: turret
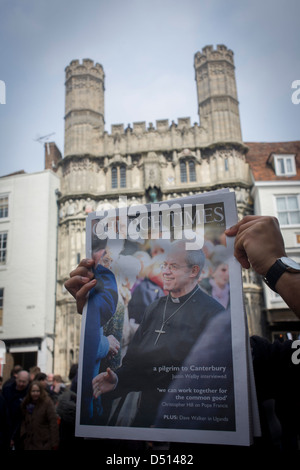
pixel 218 105
pixel 84 106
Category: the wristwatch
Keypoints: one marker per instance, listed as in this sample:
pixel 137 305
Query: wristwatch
pixel 278 268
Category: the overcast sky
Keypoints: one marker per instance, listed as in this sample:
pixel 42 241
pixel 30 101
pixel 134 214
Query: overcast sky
pixel 147 50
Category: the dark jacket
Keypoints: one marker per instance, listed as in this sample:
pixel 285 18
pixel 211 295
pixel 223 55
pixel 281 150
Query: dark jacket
pixel 13 399
pixel 277 382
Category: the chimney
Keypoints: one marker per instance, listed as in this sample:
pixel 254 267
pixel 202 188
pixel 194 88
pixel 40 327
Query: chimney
pixel 52 156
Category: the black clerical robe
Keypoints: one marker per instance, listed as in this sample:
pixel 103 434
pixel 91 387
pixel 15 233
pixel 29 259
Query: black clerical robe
pixel 149 367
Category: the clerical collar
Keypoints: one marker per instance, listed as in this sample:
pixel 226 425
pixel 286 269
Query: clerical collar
pixel 178 300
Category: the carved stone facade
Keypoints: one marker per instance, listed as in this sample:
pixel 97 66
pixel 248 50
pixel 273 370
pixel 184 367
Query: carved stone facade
pixel 145 164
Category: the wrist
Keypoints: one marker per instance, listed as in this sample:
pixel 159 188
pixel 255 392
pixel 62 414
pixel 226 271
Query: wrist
pixel 288 287
pixel 278 269
pixel 268 265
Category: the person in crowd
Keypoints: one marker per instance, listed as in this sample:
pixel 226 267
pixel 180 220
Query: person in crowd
pixel 57 387
pixel 33 371
pixel 66 410
pixel 259 244
pixel 13 395
pixel 217 283
pixel 43 379
pixel 50 379
pixel 73 373
pixel 126 270
pixel 13 375
pixel 39 426
pixel 147 291
pixel 4 426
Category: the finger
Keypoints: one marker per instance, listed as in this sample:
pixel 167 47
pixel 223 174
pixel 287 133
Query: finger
pixel 115 349
pixel 77 280
pixel 82 294
pixel 75 283
pixel 96 392
pixel 259 221
pixel 96 379
pixel 109 375
pixel 82 270
pixel 115 343
pixel 256 229
pixel 242 224
pixel 87 262
pixel 240 246
pixel 84 290
pixel 241 255
pixel 244 234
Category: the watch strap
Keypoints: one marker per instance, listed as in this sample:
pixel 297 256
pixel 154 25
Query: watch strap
pixel 274 273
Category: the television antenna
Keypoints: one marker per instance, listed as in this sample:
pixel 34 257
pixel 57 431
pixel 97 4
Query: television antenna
pixel 44 139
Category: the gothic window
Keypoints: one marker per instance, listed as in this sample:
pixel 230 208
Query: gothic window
pixel 114 177
pixel 226 166
pixel 118 177
pixel 187 171
pixel 183 175
pixel 122 177
pixel 192 171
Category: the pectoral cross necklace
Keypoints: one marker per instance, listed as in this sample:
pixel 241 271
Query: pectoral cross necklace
pixel 161 331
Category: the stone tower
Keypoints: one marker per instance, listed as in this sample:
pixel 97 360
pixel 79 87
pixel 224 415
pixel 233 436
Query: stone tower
pixel 84 106
pixel 218 105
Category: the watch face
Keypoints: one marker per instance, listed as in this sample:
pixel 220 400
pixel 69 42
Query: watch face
pixel 291 264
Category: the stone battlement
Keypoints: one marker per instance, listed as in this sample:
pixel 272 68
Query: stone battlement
pixel 210 54
pixel 87 66
pixel 142 137
pixel 161 125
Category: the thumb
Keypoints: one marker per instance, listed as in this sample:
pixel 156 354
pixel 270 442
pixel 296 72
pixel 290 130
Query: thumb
pixel 231 231
pixel 110 375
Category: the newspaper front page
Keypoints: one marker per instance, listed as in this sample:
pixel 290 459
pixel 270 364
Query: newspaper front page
pixel 169 294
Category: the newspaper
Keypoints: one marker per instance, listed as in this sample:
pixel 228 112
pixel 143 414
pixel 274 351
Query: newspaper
pixel 169 293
